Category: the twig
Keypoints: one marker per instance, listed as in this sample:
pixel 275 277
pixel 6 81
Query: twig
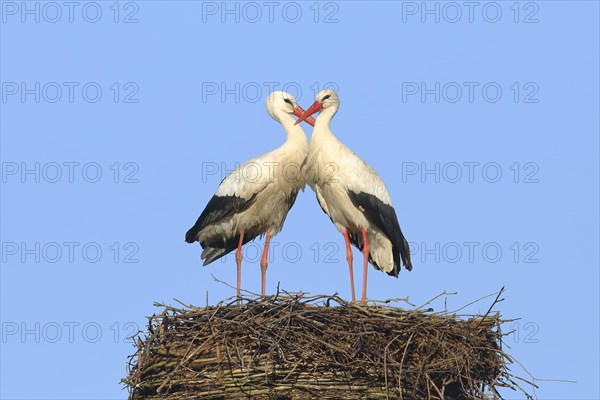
pixel 491 306
pixel 435 298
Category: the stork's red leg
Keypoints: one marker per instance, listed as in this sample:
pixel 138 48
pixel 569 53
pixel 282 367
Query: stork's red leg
pixel 349 258
pixel 238 260
pixel 264 263
pixel 366 250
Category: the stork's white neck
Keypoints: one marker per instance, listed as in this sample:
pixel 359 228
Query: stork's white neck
pixel 322 123
pixel 295 133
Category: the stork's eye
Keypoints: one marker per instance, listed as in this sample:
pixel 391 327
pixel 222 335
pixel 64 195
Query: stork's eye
pixel 326 97
pixel 288 101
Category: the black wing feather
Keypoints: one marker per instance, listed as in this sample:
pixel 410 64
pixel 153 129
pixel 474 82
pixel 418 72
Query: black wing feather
pixel 384 217
pixel 218 208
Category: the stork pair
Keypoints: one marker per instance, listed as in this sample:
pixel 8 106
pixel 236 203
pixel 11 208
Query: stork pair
pixel 353 196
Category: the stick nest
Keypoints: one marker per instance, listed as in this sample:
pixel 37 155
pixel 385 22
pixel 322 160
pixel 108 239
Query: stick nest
pixel 297 347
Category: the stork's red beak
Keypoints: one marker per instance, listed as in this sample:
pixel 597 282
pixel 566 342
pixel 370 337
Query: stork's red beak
pixel 317 106
pixel 299 112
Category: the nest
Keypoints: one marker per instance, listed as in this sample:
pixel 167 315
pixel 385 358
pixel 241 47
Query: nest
pixel 297 347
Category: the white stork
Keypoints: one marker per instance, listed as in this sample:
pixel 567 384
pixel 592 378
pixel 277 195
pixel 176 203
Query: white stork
pixel 353 196
pixel 255 198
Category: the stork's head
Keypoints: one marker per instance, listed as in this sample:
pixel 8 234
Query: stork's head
pixel 281 103
pixel 326 100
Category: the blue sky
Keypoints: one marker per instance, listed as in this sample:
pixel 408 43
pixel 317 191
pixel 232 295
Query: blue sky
pixel 119 119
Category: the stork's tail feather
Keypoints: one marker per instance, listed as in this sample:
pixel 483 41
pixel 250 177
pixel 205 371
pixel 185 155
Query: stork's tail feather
pixel 215 249
pixel 211 254
pixel 395 271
